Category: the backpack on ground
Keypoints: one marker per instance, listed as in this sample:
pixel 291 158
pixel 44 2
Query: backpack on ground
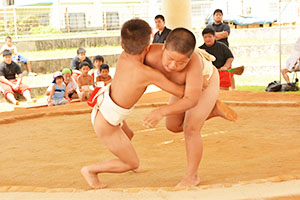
pixel 289 87
pixel 274 86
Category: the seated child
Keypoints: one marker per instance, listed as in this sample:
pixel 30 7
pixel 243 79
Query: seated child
pixel 105 78
pixel 11 79
pixel 85 82
pixel 17 57
pixel 58 94
pixel 98 61
pixel 81 57
pixel 71 85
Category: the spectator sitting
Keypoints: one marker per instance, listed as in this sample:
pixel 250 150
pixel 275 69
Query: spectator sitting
pixel 81 57
pixel 98 61
pixel 104 77
pixel 162 33
pixel 58 94
pixel 85 82
pixel 8 81
pixel 293 63
pixel 17 57
pixel 71 85
pixel 223 55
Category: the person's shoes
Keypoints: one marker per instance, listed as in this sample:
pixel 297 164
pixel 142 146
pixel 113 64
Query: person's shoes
pixel 32 74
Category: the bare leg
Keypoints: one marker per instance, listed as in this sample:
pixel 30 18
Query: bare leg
pixel 28 64
pixel 82 95
pixel 12 98
pixel 285 76
pixel 127 130
pixel 193 122
pixel 174 123
pixel 27 96
pixel 222 110
pixel 119 144
pixel 232 83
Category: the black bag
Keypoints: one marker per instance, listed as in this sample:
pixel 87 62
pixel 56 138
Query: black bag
pixel 274 86
pixel 289 87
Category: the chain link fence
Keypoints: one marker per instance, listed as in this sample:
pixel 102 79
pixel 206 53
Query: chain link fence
pixel 262 45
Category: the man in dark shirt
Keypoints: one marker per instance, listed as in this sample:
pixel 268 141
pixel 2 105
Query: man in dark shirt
pixel 222 33
pixel 223 56
pixel 162 33
pixel 8 82
pixel 222 29
pixel 81 57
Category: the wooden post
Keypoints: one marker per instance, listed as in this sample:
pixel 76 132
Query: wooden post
pixel 177 13
pixel 67 21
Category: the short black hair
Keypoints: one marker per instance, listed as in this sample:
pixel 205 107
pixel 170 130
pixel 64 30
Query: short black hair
pixel 7 37
pixel 6 52
pixel 84 63
pixel 98 57
pixel 135 36
pixel 209 30
pixel 80 50
pixel 160 17
pixel 218 11
pixel 104 66
pixel 182 41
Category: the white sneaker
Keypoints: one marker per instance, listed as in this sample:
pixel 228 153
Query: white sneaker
pixel 32 74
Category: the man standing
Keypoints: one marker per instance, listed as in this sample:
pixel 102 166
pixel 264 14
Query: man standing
pixel 222 54
pixel 222 29
pixel 162 33
pixel 221 34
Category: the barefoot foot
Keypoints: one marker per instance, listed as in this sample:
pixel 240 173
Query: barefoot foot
pixel 189 182
pixel 92 179
pixel 139 170
pixel 225 111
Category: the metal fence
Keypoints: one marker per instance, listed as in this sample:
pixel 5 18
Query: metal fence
pixel 262 48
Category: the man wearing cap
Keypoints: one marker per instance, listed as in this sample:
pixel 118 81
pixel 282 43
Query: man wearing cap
pixel 222 32
pixel 222 29
pixel 8 81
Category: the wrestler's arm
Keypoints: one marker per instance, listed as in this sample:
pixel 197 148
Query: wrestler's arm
pixel 193 88
pixel 155 77
pixel 193 91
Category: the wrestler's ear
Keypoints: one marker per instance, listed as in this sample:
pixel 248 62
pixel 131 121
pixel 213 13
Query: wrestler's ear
pixel 148 48
pixel 164 45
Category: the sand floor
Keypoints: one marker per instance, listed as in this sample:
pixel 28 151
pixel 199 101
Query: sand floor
pixel 43 149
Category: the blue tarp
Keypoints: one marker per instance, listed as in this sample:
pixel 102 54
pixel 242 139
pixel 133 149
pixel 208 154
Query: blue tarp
pixel 244 20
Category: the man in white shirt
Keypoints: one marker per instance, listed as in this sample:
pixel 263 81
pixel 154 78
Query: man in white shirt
pixel 293 63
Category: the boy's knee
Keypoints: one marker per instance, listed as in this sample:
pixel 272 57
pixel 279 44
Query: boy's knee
pixel 174 129
pixel 191 129
pixel 134 164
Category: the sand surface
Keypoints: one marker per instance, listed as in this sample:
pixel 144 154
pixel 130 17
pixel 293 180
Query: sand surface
pixel 43 149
